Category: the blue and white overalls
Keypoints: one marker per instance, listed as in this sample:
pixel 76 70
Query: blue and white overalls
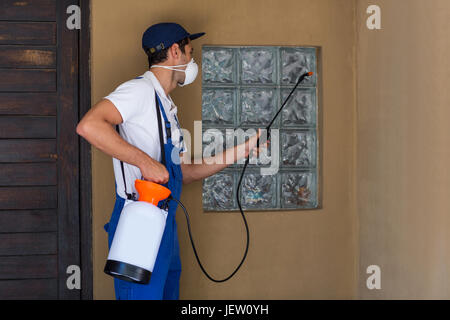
pixel 165 278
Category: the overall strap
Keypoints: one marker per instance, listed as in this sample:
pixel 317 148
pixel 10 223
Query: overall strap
pixel 166 121
pixel 161 136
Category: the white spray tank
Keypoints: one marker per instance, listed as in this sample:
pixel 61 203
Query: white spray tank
pixel 138 235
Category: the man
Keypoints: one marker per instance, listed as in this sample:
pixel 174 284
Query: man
pixel 137 151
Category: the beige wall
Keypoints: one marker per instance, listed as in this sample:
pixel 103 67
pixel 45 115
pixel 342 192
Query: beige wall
pixel 293 255
pixel 403 148
pixel 385 154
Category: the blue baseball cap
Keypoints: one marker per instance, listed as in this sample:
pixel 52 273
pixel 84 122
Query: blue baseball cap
pixel 162 35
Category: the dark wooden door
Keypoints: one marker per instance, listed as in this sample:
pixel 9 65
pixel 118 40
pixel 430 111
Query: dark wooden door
pixel 40 155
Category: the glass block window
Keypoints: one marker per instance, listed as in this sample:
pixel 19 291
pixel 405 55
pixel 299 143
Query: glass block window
pixel 243 88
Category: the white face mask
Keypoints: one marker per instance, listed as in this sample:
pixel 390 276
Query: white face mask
pixel 191 71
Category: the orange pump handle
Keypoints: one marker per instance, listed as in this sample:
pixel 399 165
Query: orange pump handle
pixel 151 192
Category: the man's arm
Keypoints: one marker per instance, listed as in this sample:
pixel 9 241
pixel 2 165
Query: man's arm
pixel 97 127
pixel 212 165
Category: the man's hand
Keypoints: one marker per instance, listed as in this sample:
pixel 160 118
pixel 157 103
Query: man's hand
pixel 251 145
pixel 208 167
pixel 154 171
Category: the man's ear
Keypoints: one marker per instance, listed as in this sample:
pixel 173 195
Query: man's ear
pixel 174 51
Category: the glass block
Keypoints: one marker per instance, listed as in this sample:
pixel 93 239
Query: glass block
pixel 300 109
pixel 258 191
pixel 294 63
pixel 218 192
pixel 258 107
pixel 298 189
pixel 243 87
pixel 218 107
pixel 298 148
pixel 217 140
pixel 218 66
pixel 258 66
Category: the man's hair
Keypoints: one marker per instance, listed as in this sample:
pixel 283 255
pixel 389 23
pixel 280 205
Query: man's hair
pixel 161 56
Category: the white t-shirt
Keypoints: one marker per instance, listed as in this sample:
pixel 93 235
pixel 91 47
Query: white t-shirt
pixel 135 100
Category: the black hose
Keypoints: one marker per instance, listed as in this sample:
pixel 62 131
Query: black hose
pixel 195 250
pixel 237 198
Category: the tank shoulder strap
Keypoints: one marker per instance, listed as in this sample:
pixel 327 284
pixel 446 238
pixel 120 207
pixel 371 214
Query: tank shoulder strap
pixel 130 196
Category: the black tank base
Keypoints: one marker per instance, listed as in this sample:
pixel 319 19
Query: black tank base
pixel 127 272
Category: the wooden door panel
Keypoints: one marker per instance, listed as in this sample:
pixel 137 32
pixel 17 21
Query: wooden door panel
pixel 32 10
pixel 27 127
pixel 12 150
pixel 21 198
pixel 40 33
pixel 21 244
pixel 36 104
pixel 32 174
pixel 28 267
pixel 19 80
pixel 15 221
pixel 36 289
pixel 27 57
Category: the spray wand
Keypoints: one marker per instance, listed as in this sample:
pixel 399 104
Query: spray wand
pixel 302 77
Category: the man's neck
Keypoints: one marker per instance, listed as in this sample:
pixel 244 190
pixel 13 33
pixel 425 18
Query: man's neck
pixel 165 78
